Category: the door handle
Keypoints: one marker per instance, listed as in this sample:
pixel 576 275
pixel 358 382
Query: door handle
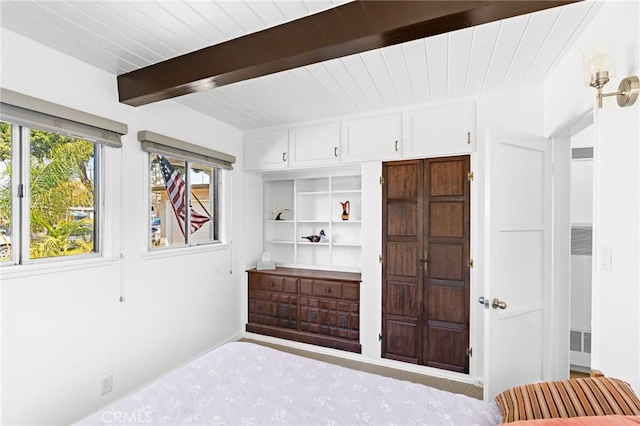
pixel 484 302
pixel 497 303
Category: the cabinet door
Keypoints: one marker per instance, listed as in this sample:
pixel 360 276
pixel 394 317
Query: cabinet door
pixel 371 138
pixel 315 145
pixel 441 130
pixel 266 151
pixel 285 310
pixel 260 307
pixel 330 317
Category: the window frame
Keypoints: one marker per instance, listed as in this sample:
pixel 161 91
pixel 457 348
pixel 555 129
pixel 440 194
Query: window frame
pixel 157 144
pixel 21 204
pixel 25 113
pixel 215 191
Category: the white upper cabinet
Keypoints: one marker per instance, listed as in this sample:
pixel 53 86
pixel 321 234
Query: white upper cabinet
pixel 315 145
pixel 446 129
pixel 266 151
pixel 439 130
pixel 371 138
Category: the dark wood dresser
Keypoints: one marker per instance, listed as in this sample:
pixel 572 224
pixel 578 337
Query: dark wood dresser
pixel 317 307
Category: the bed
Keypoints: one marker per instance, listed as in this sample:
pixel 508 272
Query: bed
pixel 241 383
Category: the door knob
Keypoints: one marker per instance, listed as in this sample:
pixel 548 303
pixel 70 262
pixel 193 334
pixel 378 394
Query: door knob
pixel 484 302
pixel 497 303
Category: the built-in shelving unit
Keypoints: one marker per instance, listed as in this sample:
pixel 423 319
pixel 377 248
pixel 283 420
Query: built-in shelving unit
pixel 310 205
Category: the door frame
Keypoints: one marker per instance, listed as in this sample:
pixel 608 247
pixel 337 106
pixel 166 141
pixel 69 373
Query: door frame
pixel 561 261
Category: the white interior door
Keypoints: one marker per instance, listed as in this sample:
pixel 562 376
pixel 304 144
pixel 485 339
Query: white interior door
pixel 517 274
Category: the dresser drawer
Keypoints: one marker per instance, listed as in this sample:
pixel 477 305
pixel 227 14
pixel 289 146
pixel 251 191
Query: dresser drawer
pixel 330 289
pixel 351 291
pixel 320 288
pixel 273 283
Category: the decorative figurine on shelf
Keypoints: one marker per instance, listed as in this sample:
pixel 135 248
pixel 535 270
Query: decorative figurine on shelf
pixel 278 214
pixel 345 210
pixel 317 238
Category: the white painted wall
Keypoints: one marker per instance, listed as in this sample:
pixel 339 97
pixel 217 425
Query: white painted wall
pixel 519 109
pixel 581 201
pixel 371 290
pixel 582 192
pixel 63 327
pixel 581 292
pixel 616 292
pixel 582 180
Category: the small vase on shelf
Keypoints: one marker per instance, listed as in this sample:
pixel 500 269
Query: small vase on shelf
pixel 345 210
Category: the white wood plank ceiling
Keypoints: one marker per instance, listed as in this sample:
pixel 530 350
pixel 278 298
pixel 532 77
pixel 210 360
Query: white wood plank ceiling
pixel 122 36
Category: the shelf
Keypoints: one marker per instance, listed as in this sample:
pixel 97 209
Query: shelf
pixel 314 193
pixel 315 203
pixel 309 243
pixel 349 191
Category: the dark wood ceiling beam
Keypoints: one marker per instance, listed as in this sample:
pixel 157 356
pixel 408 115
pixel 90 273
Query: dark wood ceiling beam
pixel 345 30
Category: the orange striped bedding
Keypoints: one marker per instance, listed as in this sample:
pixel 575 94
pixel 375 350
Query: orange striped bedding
pixel 582 421
pixel 594 396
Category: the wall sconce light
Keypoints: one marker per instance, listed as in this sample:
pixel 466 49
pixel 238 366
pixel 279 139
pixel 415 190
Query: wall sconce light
pixel 599 67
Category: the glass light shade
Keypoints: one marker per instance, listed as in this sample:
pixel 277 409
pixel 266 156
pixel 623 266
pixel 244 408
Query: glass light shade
pixel 596 60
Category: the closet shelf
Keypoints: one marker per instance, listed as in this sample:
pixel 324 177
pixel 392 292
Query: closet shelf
pixel 316 202
pixel 304 193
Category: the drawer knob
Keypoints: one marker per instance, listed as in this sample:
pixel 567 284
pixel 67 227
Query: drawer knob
pixel 272 284
pixel 283 312
pixel 343 321
pixel 260 308
pixel 314 316
pixel 327 290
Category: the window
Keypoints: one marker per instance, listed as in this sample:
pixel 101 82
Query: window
pixel 49 181
pixel 171 192
pixel 183 175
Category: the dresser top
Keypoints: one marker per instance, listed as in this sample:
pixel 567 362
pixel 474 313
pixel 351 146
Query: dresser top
pixel 311 273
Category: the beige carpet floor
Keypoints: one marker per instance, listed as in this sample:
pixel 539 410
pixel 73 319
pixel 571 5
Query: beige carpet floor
pixel 435 382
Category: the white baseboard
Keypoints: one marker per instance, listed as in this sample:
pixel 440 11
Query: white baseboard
pixel 580 359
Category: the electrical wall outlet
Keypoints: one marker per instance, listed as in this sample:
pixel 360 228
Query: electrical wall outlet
pixel 106 384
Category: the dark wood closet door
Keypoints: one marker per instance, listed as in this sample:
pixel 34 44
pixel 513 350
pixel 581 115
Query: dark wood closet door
pixel 402 202
pixel 426 262
pixel 446 275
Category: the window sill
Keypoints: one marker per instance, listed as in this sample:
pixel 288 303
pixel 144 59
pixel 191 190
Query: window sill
pixel 66 265
pixel 164 253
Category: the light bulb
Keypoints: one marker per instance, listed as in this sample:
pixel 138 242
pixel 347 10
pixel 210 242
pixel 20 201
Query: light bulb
pixel 601 62
pixel 598 60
